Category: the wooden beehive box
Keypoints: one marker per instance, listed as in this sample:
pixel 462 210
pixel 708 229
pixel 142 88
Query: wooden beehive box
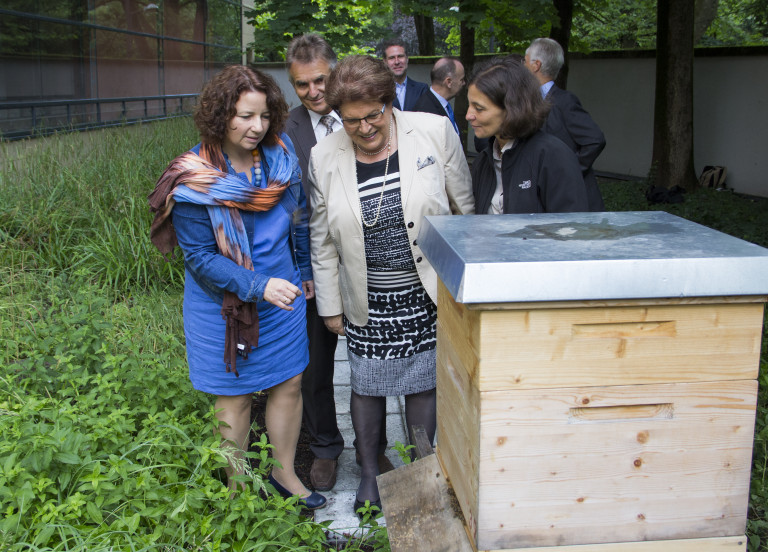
pixel 598 420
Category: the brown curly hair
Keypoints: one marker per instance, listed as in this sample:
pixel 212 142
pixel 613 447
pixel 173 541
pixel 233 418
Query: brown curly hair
pixel 216 104
pixel 360 78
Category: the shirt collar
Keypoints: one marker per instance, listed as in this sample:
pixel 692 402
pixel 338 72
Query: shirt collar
pixel 315 117
pixel 546 87
pixel 442 100
pixel 498 153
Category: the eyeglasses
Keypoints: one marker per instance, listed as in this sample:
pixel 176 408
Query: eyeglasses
pixel 370 119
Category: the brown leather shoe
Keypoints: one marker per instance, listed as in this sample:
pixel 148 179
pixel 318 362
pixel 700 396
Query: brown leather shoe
pixel 384 463
pixel 323 473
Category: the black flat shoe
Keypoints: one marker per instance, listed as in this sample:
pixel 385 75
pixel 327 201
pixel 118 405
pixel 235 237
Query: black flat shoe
pixel 315 501
pixel 361 504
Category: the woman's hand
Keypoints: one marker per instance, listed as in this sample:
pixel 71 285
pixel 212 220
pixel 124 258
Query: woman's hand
pixel 334 324
pixel 281 293
pixel 309 289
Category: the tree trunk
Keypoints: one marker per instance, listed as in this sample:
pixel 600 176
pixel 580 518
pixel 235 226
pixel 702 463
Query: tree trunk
pixel 425 32
pixel 672 163
pixel 562 34
pixel 705 13
pixel 467 58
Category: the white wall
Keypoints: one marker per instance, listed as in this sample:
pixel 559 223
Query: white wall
pixel 730 115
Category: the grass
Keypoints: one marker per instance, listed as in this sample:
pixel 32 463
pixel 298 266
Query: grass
pixel 105 445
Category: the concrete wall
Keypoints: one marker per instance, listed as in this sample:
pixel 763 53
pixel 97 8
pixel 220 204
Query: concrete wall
pixel 730 111
pixel 730 114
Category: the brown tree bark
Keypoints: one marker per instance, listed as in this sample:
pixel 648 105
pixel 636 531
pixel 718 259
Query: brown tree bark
pixel 467 58
pixel 672 163
pixel 562 34
pixel 425 33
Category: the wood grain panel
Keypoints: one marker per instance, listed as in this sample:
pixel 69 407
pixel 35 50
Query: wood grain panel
pixel 545 480
pixel 549 348
pixel 458 418
pixel 723 544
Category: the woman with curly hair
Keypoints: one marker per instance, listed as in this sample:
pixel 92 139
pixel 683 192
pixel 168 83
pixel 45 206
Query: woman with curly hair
pixel 234 204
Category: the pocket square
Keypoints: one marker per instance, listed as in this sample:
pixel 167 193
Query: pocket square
pixel 425 163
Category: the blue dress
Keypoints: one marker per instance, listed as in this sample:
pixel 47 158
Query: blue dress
pixel 282 350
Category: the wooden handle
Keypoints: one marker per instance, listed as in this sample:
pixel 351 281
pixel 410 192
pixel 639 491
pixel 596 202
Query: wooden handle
pixel 585 414
pixel 661 328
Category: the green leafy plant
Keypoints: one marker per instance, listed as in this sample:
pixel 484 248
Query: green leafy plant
pixel 403 451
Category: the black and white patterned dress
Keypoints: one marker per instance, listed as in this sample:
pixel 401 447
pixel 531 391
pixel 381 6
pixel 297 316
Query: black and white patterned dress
pixel 394 353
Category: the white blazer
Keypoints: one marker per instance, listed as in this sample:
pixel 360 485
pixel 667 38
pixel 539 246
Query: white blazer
pixel 434 180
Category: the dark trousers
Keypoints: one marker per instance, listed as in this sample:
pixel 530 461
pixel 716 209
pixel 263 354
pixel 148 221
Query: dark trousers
pixel 317 388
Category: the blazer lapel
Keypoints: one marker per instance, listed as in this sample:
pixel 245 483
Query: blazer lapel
pixel 406 153
pixel 409 101
pixel 305 134
pixel 348 176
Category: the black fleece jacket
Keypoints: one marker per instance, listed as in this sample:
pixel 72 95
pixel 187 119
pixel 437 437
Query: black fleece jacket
pixel 540 174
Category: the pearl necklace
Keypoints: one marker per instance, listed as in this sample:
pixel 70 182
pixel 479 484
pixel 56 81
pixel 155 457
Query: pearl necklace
pixel 388 147
pixel 376 152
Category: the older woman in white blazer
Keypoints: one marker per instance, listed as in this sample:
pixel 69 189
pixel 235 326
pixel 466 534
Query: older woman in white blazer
pixel 371 187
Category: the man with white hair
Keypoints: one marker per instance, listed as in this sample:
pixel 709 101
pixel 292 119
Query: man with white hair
pixel 567 120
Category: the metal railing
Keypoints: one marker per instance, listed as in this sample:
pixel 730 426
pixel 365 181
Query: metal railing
pixel 23 119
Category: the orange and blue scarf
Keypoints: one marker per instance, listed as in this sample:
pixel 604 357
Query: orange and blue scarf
pixel 203 180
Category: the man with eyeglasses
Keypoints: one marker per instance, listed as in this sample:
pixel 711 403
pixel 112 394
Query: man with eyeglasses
pixel 567 119
pixel 408 91
pixel 447 78
pixel 309 60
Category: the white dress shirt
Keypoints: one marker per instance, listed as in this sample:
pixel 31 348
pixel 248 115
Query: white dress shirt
pixel 319 128
pixel 497 201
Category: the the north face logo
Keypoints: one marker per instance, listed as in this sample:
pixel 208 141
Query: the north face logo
pixel 525 184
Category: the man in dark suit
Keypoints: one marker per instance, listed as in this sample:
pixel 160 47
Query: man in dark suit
pixel 567 120
pixel 408 91
pixel 447 78
pixel 309 60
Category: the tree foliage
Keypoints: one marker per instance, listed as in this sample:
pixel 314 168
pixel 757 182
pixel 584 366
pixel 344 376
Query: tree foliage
pixel 738 23
pixel 614 25
pixel 631 24
pixel 351 27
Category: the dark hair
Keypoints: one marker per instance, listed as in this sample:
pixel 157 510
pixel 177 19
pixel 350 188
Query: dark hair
pixel 512 87
pixel 216 103
pixel 308 48
pixel 440 71
pixel 360 78
pixel 392 42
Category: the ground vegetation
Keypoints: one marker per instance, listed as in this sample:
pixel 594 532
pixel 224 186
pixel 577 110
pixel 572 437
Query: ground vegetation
pixel 104 444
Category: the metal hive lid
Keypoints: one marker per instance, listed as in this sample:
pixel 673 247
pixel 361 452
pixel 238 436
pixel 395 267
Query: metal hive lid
pixel 589 256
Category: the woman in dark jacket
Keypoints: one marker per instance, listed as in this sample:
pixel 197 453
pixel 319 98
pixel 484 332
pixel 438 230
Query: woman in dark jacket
pixel 523 170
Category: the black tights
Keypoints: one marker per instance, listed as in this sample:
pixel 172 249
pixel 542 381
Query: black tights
pixel 367 414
